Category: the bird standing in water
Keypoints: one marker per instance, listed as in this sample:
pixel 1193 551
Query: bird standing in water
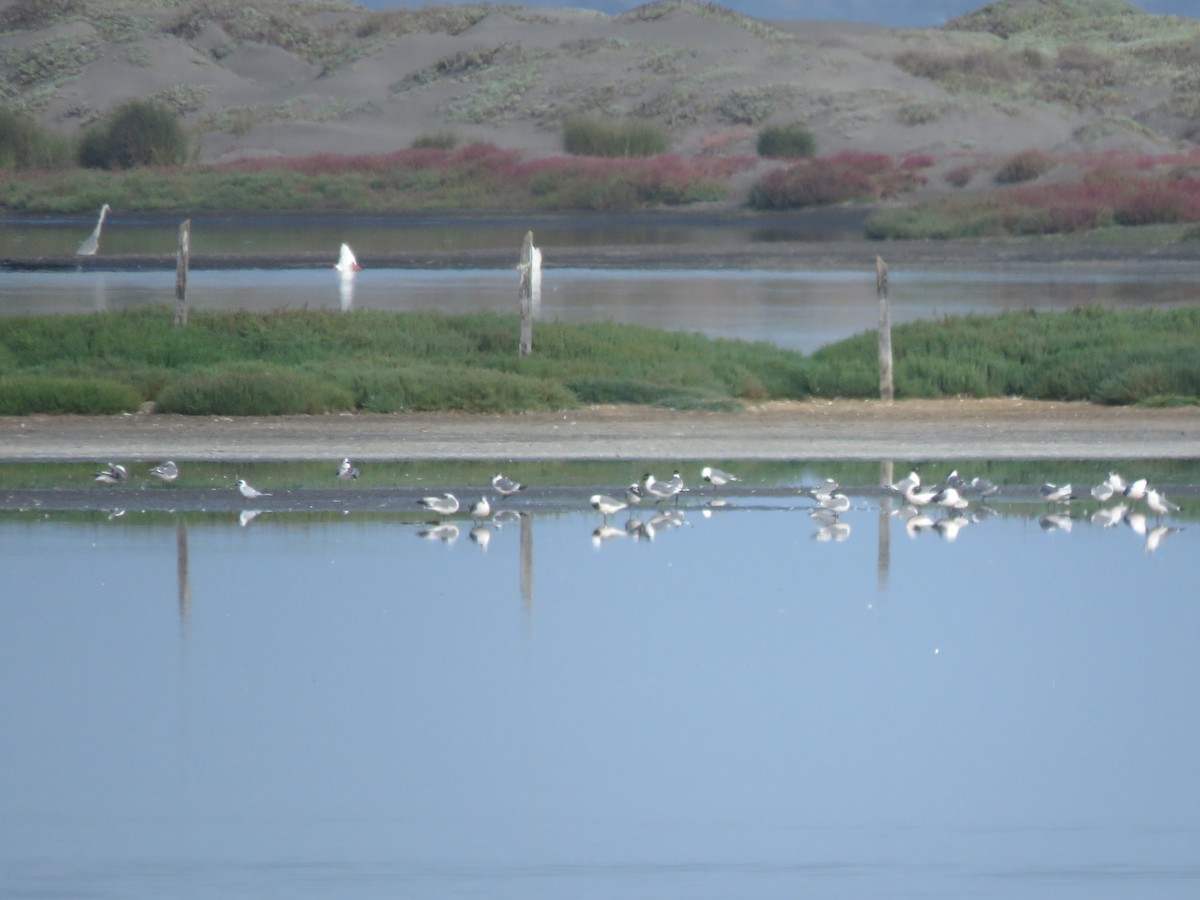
pixel 91 243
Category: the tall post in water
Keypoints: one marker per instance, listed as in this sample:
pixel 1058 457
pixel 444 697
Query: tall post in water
pixel 181 272
pixel 525 295
pixel 886 391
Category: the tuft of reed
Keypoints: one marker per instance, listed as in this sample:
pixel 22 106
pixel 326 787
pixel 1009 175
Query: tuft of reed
pixel 583 136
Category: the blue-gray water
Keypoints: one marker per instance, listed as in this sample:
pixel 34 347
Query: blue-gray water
pixel 744 706
pixel 798 310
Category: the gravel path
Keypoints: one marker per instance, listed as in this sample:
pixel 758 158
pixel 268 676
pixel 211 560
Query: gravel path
pixel 845 430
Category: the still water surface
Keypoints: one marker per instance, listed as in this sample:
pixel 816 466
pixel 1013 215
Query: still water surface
pixel 747 705
pixel 798 310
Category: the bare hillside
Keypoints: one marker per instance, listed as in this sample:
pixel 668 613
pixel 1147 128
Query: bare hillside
pixel 297 78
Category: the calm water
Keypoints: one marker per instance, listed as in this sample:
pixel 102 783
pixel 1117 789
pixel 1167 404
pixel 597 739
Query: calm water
pixel 798 310
pixel 747 705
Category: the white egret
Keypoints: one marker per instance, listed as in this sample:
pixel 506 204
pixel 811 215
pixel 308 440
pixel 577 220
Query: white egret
pixel 92 243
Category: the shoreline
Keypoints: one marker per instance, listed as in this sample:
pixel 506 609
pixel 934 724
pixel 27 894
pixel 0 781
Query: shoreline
pixel 792 430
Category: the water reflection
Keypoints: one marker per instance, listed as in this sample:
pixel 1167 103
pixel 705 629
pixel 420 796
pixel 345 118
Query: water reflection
pixel 323 698
pixel 799 310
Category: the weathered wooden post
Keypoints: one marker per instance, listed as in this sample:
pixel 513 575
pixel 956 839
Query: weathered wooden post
pixel 886 391
pixel 181 272
pixel 525 295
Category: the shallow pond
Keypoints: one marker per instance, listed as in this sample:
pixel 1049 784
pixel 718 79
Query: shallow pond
pixel 799 310
pixel 737 701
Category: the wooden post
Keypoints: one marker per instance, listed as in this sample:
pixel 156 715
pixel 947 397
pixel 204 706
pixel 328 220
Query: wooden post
pixel 525 295
pixel 886 391
pixel 181 272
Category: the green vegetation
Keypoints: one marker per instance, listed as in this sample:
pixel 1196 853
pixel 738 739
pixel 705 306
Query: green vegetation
pixel 786 142
pixel 840 178
pixel 240 363
pixel 596 137
pixel 25 144
pixel 475 176
pixel 1110 194
pixel 135 133
pixel 309 362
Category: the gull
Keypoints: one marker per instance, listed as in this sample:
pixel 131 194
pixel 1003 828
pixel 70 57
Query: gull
pixel 1103 491
pixel 956 481
pixel 918 496
pixel 505 487
pixel 716 477
pixel 655 488
pixel 445 505
pixel 676 484
pixel 1136 490
pixel 1053 493
pixel 633 494
pixel 114 474
pixel 824 489
pixel 166 471
pixel 911 480
pixel 1116 482
pixel 950 498
pixel 606 505
pixel 249 492
pixel 91 243
pixel 1159 504
pixel 346 470
pixel 346 263
pixel 480 509
pixel 838 503
pixel 982 487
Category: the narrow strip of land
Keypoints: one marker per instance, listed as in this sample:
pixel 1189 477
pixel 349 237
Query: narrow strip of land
pixel 817 430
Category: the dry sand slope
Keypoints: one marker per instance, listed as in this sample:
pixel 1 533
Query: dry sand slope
pixel 851 430
pixel 344 80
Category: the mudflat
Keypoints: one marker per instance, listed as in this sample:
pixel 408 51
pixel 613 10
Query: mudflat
pixel 794 430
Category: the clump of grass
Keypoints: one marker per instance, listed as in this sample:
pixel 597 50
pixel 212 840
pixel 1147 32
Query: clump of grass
pixel 252 389
pixel 436 140
pixel 1024 166
pixel 136 133
pixel 583 136
pixel 844 177
pixel 786 142
pixel 25 144
pixel 22 395
pixel 1090 354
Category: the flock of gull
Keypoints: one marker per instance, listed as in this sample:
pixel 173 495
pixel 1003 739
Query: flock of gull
pixel 955 501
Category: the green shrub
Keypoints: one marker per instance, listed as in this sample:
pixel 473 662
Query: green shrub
pixel 135 133
pixel 436 140
pixel 22 395
pixel 252 390
pixel 596 137
pixel 1024 166
pixel 24 144
pixel 786 142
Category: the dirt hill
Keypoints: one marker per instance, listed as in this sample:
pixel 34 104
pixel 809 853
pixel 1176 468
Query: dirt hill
pixel 298 78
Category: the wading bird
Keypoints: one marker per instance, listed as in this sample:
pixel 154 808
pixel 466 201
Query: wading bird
pixel 250 493
pixel 167 471
pixel 114 474
pixel 346 262
pixel 92 243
